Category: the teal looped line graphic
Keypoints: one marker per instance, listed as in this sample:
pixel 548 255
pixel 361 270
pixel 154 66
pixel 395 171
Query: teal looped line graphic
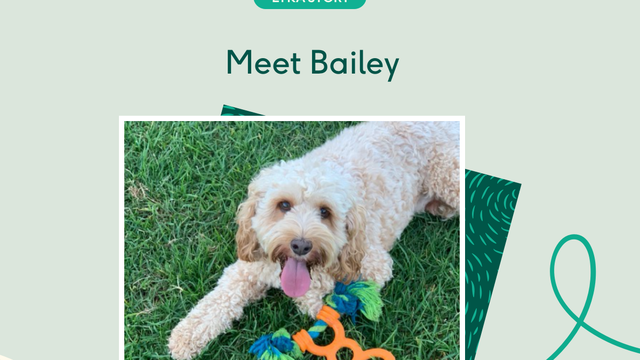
pixel 580 323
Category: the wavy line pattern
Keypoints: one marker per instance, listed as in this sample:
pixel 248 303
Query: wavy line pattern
pixel 490 206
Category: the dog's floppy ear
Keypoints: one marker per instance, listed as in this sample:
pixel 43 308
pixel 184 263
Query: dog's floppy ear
pixel 350 258
pixel 246 240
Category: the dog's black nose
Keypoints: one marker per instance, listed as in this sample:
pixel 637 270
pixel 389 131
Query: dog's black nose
pixel 301 246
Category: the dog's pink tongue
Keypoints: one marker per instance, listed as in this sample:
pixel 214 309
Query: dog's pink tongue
pixel 295 278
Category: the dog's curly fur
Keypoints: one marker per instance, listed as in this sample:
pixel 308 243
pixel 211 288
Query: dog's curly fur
pixel 371 179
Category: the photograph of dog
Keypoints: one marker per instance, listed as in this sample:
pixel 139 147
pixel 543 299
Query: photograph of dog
pixel 333 214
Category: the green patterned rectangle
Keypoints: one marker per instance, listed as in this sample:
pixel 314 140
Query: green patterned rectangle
pixel 490 205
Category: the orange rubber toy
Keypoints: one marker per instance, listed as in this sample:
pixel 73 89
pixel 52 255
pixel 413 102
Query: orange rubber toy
pixel 331 317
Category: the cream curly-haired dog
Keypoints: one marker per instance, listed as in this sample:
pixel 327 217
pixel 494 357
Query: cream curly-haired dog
pixel 331 215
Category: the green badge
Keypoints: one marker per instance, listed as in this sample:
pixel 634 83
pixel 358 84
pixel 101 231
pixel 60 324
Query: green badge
pixel 310 4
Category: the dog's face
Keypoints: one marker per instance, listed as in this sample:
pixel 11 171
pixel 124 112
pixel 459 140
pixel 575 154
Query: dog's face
pixel 303 219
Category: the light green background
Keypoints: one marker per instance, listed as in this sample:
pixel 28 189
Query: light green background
pixel 555 82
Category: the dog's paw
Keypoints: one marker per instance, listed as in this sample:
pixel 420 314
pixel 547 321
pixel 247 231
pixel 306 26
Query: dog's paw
pixel 181 344
pixel 441 209
pixel 313 308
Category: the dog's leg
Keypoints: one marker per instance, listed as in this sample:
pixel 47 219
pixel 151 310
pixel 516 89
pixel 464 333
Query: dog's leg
pixel 214 314
pixel 377 265
pixel 311 302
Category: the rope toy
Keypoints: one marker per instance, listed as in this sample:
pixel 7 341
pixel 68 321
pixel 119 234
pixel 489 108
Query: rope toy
pixel 346 299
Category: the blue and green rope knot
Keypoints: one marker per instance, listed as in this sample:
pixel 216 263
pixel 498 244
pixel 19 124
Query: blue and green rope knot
pixel 276 346
pixel 363 296
pixel 346 299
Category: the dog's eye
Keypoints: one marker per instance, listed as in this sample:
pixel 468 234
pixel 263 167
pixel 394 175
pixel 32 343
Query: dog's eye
pixel 324 213
pixel 284 206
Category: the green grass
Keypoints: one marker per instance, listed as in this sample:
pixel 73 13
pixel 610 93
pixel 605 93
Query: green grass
pixel 183 183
